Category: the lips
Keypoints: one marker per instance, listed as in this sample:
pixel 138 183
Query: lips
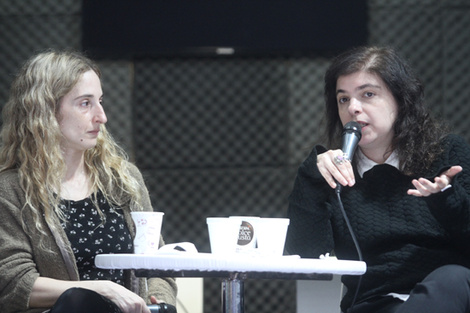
pixel 363 124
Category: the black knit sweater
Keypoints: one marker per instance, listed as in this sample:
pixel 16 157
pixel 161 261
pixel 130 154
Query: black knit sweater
pixel 402 238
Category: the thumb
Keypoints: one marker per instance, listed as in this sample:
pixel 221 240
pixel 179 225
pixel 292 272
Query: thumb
pixel 454 170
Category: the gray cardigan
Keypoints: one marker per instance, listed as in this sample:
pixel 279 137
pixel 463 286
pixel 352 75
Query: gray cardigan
pixel 22 261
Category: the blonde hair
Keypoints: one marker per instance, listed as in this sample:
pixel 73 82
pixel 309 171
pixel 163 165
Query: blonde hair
pixel 31 139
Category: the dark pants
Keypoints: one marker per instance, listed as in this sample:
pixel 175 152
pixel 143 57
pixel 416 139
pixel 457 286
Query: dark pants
pixel 79 300
pixel 445 290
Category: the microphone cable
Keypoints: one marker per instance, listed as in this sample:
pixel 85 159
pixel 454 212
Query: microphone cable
pixel 356 244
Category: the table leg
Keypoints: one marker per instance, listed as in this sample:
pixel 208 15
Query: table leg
pixel 233 295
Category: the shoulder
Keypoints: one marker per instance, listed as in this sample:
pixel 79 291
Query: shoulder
pixel 455 138
pixel 10 189
pixel 132 174
pixel 134 171
pixel 455 151
pixel 9 181
pixel 455 142
pixel 11 174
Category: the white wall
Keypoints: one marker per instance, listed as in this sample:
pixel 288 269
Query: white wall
pixel 319 296
pixel 190 295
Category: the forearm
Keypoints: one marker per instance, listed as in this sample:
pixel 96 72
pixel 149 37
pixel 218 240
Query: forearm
pixel 46 291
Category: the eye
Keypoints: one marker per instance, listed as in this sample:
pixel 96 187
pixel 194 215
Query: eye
pixel 342 100
pixel 85 103
pixel 369 94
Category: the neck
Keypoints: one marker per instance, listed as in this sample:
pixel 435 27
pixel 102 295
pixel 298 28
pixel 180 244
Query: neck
pixel 76 182
pixel 379 156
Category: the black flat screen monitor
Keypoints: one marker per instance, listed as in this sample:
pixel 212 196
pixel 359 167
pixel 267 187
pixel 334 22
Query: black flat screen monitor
pixel 129 28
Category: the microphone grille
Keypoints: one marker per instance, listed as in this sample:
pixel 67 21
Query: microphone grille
pixel 353 127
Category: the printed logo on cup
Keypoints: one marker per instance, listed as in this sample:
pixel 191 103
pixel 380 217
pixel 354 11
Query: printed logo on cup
pixel 141 222
pixel 246 234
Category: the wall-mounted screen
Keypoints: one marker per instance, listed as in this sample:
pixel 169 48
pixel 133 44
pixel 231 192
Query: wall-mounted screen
pixel 127 28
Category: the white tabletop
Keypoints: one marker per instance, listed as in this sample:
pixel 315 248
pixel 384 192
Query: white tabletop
pixel 207 262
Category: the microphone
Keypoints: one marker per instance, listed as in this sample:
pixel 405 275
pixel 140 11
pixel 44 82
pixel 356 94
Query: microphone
pixel 351 136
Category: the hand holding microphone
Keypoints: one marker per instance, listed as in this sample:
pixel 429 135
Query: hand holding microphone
pixel 334 165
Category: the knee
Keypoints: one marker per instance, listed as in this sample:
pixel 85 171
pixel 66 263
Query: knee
pixel 446 289
pixel 75 295
pixel 71 293
pixel 451 274
pixel 447 279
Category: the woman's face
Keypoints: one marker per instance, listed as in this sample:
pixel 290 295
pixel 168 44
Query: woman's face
pixel 81 114
pixel 363 97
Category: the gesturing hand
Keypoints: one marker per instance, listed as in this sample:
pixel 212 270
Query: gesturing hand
pixel 425 187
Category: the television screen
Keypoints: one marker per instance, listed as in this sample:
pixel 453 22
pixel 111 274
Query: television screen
pixel 126 28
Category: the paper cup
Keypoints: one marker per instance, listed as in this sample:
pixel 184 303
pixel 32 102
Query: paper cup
pixel 148 227
pixel 223 234
pixel 247 233
pixel 271 236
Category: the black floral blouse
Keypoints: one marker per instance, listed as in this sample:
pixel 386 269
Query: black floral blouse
pixel 90 236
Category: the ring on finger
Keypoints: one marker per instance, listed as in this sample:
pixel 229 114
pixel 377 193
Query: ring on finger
pixel 340 159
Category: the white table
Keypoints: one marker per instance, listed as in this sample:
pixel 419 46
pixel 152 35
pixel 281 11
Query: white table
pixel 233 269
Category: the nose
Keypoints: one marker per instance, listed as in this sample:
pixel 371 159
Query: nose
pixel 355 106
pixel 100 115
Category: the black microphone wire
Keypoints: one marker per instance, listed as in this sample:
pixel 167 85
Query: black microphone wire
pixel 358 249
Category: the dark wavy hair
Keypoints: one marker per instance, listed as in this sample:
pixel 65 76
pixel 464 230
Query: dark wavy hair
pixel 417 136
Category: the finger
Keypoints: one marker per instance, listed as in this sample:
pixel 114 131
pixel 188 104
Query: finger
pixel 351 179
pixel 326 175
pixel 342 169
pixel 451 172
pixel 347 173
pixel 131 304
pixel 333 179
pixel 335 170
pixel 420 188
pixel 442 181
pixel 431 187
pixel 142 308
pixel 327 168
pixel 340 172
pixel 414 192
pixel 154 300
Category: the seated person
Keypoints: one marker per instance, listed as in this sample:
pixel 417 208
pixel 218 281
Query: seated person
pixel 66 194
pixel 405 193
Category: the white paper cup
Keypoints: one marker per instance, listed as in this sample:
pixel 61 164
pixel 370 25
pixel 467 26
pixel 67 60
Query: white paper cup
pixel 247 233
pixel 271 236
pixel 223 234
pixel 148 226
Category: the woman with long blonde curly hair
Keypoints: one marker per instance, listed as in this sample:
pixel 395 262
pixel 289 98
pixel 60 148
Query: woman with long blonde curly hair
pixel 66 193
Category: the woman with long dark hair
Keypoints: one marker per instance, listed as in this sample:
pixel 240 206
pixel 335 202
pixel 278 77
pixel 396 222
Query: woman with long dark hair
pixel 406 192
